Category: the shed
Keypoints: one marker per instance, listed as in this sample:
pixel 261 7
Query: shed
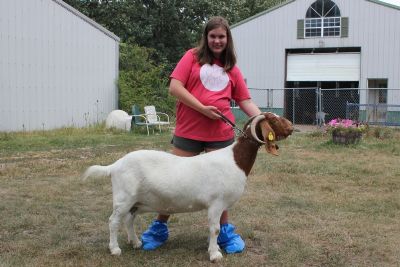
pixel 58 68
pixel 326 44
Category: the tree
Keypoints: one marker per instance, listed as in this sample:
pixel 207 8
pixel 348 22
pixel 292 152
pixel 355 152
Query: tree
pixel 155 34
pixel 142 82
pixel 168 26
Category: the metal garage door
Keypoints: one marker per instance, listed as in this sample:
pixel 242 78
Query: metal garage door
pixel 323 67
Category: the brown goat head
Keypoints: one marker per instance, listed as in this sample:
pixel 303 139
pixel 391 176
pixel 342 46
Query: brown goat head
pixel 272 128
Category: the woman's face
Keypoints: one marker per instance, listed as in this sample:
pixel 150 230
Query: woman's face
pixel 217 40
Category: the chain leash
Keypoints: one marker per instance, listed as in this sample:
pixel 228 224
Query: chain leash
pixel 236 130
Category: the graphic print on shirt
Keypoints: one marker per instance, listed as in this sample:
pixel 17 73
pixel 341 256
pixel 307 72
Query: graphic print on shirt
pixel 213 77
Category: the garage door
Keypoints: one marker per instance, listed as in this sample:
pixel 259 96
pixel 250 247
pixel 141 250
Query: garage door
pixel 323 67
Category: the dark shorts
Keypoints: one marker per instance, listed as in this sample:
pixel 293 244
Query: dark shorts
pixel 198 146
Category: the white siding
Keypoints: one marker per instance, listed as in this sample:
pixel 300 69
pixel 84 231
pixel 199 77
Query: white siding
pixel 56 67
pixel 261 41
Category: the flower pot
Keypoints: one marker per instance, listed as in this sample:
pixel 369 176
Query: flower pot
pixel 346 137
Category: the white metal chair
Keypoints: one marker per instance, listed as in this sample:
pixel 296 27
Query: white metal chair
pixel 150 118
pixel 154 117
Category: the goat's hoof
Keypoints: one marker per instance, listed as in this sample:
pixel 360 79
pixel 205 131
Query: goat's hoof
pixel 135 244
pixel 115 251
pixel 216 256
pixel 138 244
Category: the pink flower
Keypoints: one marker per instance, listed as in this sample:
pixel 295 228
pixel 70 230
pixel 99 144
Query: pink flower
pixel 343 123
pixel 333 123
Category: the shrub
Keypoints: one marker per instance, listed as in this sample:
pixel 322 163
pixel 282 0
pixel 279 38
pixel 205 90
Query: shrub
pixel 141 82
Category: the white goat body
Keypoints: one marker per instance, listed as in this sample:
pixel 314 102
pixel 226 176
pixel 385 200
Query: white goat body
pixel 155 181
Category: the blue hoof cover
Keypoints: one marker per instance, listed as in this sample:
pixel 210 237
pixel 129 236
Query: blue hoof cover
pixel 155 236
pixel 229 241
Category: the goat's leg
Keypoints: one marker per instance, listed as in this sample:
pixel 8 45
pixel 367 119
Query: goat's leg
pixel 214 215
pixel 119 212
pixel 113 224
pixel 130 229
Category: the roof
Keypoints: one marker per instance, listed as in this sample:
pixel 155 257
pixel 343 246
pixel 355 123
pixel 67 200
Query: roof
pixel 389 3
pixel 87 19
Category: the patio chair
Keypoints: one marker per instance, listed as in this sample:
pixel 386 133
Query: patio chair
pixel 154 117
pixel 148 119
pixel 139 119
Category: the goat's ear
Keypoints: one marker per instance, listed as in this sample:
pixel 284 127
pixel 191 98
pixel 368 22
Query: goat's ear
pixel 273 120
pixel 269 137
pixel 282 127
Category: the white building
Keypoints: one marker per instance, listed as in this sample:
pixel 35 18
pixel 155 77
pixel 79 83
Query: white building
pixel 57 67
pixel 325 44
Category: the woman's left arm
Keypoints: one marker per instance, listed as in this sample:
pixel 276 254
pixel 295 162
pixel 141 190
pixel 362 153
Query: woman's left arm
pixel 249 107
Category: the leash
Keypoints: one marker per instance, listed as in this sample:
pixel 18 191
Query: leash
pixel 230 123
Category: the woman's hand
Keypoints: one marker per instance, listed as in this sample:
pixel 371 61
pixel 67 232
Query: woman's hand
pixel 211 112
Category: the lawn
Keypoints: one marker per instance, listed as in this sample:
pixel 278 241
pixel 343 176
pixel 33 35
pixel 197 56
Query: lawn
pixel 316 204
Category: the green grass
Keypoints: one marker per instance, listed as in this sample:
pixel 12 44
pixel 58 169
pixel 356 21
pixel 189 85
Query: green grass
pixel 71 138
pixel 317 204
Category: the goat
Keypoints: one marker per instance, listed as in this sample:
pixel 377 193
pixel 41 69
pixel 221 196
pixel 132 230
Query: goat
pixel 156 181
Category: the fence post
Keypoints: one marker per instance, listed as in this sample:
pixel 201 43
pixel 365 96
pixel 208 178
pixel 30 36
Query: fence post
pixel 293 108
pixel 317 104
pixel 318 107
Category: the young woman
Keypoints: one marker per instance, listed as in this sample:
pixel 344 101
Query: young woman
pixel 204 81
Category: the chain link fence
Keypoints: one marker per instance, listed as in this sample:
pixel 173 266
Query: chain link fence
pixel 316 106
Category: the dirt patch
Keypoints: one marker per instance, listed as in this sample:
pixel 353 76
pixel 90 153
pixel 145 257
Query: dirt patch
pixel 306 128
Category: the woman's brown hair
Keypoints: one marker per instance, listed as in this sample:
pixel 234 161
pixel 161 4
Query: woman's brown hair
pixel 203 52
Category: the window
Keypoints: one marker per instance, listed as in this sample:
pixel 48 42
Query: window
pixel 322 20
pixel 381 93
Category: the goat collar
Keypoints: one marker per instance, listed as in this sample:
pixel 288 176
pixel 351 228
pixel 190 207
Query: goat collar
pixel 251 139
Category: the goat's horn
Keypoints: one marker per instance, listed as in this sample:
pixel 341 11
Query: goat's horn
pixel 248 122
pixel 255 121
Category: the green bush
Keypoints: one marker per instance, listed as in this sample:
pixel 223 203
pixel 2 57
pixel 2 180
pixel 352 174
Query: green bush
pixel 141 82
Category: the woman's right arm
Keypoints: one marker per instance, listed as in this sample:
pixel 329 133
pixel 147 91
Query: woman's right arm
pixel 177 89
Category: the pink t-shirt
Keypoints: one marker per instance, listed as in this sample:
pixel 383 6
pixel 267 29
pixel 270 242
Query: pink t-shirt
pixel 212 86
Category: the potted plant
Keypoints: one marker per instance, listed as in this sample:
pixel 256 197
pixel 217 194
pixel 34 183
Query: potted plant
pixel 345 131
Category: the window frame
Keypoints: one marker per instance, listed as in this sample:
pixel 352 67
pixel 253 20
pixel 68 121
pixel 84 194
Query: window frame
pixel 322 26
pixel 318 27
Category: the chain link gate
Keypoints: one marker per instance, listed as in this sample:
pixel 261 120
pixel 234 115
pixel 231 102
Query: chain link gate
pixel 317 106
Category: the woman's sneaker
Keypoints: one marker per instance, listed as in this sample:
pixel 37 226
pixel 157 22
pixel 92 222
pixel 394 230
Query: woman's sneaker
pixel 228 240
pixel 155 236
